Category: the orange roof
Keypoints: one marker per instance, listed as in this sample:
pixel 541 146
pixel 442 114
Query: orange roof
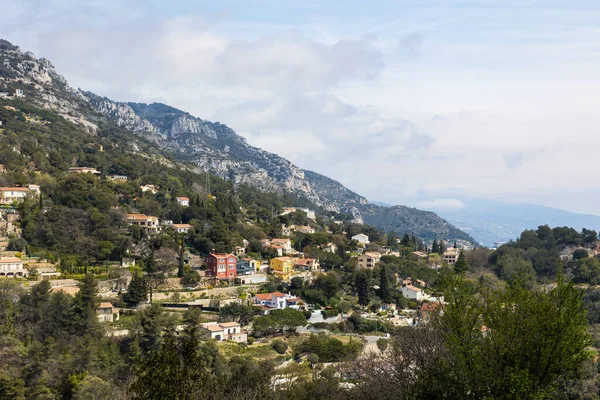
pixel 280 240
pixel 221 255
pixel 6 260
pixel 213 328
pixel 229 324
pixel 105 304
pixel 140 216
pixel 305 261
pixel 183 198
pixel 182 226
pixel 14 189
pixel 267 296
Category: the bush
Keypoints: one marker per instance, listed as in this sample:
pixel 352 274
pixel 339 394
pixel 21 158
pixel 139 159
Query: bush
pixel 191 277
pixel 330 349
pixel 307 314
pixel 329 313
pixel 382 344
pixel 279 346
pixel 251 340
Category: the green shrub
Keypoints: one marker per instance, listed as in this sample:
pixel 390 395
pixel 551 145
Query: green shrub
pixel 329 313
pixel 279 346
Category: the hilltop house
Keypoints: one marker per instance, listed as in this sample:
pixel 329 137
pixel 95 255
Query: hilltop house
pixel 286 244
pixel 117 178
pixel 306 264
pixel 182 228
pixel 282 267
pixel 147 223
pixel 362 239
pixel 149 188
pixel 368 260
pixel 221 265
pixel 285 230
pixel 8 195
pixel 330 247
pixel 305 229
pixel 271 300
pixel 183 201
pixel 84 170
pixel 12 267
pixel 246 266
pixel 106 312
pixel 451 255
pixel 413 293
pixel 225 331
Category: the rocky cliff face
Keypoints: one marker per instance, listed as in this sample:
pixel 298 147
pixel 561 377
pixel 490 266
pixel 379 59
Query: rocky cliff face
pixel 210 146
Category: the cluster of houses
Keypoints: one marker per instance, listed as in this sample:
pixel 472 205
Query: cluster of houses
pixel 228 266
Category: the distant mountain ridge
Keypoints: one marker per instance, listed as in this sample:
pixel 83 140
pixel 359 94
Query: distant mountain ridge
pixel 210 146
pixel 494 221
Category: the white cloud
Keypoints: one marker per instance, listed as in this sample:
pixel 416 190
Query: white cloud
pixel 405 103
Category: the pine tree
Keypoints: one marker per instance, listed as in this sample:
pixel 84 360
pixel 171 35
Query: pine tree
pixel 384 286
pixel 435 247
pixel 362 287
pixel 455 246
pixel 137 290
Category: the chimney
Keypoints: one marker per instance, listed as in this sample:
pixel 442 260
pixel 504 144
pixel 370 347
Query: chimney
pixel 212 251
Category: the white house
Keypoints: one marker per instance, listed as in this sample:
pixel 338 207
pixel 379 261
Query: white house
pixel 286 244
pixel 12 266
pixel 149 188
pixel 118 178
pixel 330 247
pixel 182 228
pixel 183 201
pixel 362 239
pixel 84 170
pixel 271 300
pixel 224 331
pixel 414 293
pixel 10 194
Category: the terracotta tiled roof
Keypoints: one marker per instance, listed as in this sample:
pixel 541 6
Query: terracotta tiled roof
pixel 11 260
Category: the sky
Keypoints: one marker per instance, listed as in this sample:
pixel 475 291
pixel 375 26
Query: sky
pixel 417 102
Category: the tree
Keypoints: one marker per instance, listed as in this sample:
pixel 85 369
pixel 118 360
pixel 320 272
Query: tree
pixel 580 254
pixel 461 265
pixel 180 267
pixel 137 290
pixel 480 347
pixel 236 312
pixel 84 304
pixel 288 318
pixel 362 288
pixel 384 286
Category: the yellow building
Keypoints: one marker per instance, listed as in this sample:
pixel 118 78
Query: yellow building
pixel 282 267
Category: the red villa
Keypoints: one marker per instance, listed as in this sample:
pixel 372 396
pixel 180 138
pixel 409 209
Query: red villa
pixel 221 265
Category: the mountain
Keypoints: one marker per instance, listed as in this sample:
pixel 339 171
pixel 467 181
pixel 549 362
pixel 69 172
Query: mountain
pixel 490 221
pixel 209 146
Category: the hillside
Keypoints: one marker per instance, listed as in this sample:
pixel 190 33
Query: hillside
pixel 208 146
pixel 426 224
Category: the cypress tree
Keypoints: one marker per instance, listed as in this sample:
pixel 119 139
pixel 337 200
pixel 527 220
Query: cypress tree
pixel 362 287
pixel 384 286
